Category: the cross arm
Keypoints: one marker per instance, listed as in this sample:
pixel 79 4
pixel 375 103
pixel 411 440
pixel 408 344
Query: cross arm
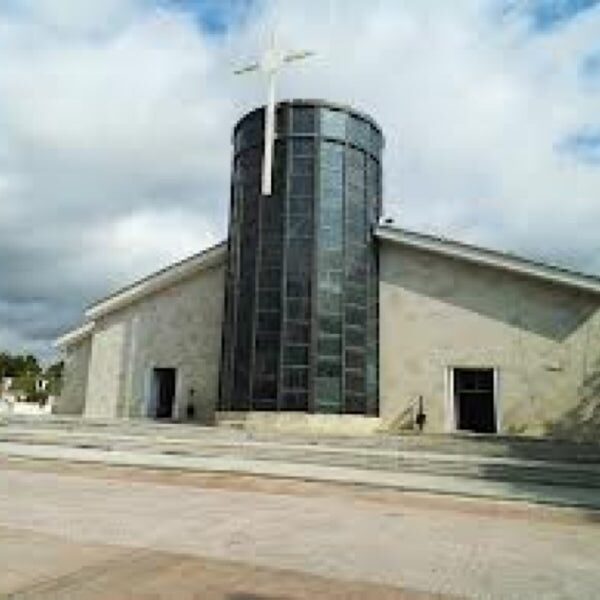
pixel 247 69
pixel 292 56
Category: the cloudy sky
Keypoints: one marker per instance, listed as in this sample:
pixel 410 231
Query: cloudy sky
pixel 115 120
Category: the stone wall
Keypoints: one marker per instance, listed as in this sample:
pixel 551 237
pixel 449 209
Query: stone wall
pixel 106 370
pixel 178 327
pixel 72 398
pixel 543 338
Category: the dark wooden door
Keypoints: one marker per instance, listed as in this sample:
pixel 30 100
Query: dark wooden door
pixel 165 380
pixel 474 397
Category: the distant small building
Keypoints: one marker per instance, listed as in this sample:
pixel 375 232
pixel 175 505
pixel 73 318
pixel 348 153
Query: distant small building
pixel 41 384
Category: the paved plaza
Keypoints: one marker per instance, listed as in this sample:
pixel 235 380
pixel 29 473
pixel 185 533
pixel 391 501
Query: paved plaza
pixel 96 531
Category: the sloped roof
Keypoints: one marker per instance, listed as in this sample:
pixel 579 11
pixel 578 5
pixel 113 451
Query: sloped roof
pixel 217 254
pixel 74 335
pixel 159 280
pixel 166 277
pixel 493 258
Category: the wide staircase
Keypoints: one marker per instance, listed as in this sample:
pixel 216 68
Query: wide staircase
pixel 521 462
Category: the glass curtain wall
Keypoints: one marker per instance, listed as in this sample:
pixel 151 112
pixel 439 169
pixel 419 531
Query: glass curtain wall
pixel 301 304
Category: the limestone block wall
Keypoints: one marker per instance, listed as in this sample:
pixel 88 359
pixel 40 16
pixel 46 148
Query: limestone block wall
pixel 543 339
pixel 107 368
pixel 76 359
pixel 178 327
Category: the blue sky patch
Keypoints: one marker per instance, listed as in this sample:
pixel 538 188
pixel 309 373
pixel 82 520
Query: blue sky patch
pixel 583 145
pixel 590 66
pixel 545 15
pixel 215 16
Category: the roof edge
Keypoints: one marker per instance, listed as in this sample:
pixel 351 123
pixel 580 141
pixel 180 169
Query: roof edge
pixel 159 280
pixel 493 258
pixel 75 335
pixel 315 103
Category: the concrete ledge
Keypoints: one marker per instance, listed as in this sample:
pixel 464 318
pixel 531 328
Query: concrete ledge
pixel 300 423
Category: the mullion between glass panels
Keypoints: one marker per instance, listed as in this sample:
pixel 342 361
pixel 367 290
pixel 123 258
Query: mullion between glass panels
pixel 313 349
pixel 284 236
pixel 256 307
pixel 331 203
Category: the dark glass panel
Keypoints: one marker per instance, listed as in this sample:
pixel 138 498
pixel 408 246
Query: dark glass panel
pixel 359 133
pixel 328 394
pixel 295 355
pixel 375 141
pixel 300 205
pixel 271 254
pixel 270 278
pixel 371 377
pixel 303 147
pixel 303 166
pixel 268 321
pixel 269 299
pixel 298 257
pixel 355 381
pixel 333 123
pixel 356 229
pixel 264 404
pixel 330 324
pixel 355 403
pixel 356 315
pixel 330 281
pixel 303 119
pixel 331 177
pixel 330 302
pixel 298 309
pixel 297 285
pixel 355 359
pixel 250 132
pixel 265 362
pixel 329 367
pixel 295 378
pixel 330 236
pixel 301 227
pixel 294 401
pixel 356 294
pixel 330 260
pixel 301 185
pixel 355 162
pixel 299 248
pixel 281 121
pixel 355 337
pixel 356 272
pixel 330 345
pixel 296 332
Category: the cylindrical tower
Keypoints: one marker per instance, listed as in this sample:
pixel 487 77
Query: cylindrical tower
pixel 301 299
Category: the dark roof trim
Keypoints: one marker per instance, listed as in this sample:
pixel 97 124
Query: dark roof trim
pixel 316 103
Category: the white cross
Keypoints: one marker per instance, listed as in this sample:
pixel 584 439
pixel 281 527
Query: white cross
pixel 271 62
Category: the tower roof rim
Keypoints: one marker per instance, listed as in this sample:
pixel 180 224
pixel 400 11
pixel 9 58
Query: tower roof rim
pixel 317 103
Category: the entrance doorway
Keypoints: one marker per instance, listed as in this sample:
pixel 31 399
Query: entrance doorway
pixel 474 400
pixel 163 384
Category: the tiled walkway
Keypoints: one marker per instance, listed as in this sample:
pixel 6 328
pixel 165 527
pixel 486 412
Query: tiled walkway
pixel 332 534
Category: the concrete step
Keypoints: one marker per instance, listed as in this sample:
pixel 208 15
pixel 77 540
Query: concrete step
pixel 463 444
pixel 407 458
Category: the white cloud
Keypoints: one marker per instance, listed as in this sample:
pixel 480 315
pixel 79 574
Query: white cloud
pixel 81 17
pixel 115 121
pixel 145 241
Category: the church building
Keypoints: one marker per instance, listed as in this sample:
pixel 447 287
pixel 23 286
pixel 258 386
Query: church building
pixel 316 313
